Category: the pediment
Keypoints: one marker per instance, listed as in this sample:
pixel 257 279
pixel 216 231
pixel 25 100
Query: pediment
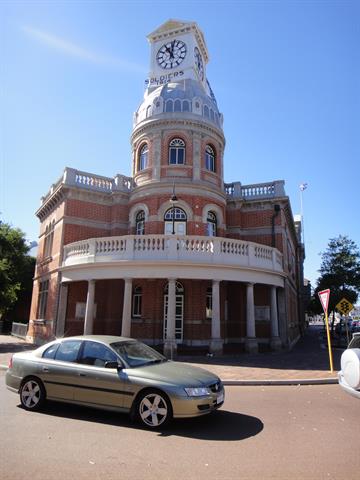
pixel 168 26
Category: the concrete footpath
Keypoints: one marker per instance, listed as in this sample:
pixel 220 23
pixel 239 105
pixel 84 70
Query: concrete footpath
pixel 306 364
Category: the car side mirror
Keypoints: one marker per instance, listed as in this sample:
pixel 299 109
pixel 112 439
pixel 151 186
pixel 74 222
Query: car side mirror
pixel 115 364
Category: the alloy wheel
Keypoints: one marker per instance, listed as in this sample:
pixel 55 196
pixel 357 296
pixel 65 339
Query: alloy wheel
pixel 32 394
pixel 154 410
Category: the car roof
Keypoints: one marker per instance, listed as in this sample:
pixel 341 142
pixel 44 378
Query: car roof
pixel 108 339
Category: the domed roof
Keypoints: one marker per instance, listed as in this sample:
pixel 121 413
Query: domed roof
pixel 184 98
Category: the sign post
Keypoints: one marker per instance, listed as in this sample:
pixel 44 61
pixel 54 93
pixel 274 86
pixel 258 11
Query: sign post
pixel 324 299
pixel 344 307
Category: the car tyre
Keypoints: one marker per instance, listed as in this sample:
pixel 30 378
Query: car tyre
pixel 153 409
pixel 32 394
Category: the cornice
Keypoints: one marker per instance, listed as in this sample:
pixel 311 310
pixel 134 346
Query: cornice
pixel 144 127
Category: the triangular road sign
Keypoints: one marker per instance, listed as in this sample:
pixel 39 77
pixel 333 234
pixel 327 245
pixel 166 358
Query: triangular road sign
pixel 324 299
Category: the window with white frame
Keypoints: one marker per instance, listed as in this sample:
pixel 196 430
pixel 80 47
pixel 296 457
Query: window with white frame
pixel 211 224
pixel 140 223
pixel 177 152
pixel 175 221
pixel 209 158
pixel 144 157
pixel 137 302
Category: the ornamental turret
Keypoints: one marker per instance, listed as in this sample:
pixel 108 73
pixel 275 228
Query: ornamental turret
pixel 178 139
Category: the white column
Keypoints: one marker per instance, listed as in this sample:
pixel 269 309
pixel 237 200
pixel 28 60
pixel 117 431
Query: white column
pixel 126 316
pixel 89 312
pixel 216 344
pixel 251 344
pixel 61 314
pixel 275 342
pixel 170 343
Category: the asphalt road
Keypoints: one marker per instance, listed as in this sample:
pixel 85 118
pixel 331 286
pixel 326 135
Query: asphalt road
pixel 284 432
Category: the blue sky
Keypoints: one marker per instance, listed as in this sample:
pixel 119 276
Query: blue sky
pixel 285 74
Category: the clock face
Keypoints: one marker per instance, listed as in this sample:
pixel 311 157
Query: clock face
pixel 171 54
pixel 199 63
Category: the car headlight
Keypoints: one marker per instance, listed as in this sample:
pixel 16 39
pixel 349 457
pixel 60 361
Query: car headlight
pixel 197 391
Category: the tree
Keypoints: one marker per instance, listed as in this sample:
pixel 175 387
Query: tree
pixel 340 272
pixel 16 267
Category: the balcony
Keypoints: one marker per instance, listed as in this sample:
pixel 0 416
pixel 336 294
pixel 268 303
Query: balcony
pixel 190 256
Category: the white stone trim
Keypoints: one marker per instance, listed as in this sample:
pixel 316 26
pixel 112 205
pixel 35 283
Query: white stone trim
pixel 219 214
pixel 134 210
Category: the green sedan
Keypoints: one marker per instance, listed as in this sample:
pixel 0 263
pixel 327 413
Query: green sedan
pixel 113 373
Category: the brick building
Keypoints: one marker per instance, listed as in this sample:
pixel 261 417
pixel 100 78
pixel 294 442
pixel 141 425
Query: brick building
pixel 172 255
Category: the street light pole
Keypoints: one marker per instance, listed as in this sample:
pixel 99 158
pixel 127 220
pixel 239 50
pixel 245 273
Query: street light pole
pixel 173 201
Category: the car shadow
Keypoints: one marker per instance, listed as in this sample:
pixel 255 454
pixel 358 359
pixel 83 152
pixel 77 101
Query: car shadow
pixel 222 425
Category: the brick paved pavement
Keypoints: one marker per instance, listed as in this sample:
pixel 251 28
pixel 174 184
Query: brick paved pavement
pixel 308 362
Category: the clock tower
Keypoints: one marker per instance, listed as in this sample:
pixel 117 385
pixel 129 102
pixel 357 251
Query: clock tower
pixel 178 141
pixel 178 52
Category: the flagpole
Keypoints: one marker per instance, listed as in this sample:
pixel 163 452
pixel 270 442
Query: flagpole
pixel 303 186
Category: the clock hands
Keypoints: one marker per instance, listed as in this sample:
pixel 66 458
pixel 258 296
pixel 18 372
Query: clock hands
pixel 171 54
pixel 170 49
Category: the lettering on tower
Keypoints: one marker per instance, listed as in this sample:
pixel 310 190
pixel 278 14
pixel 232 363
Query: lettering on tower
pixel 163 79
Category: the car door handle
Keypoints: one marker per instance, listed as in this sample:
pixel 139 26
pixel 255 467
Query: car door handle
pixel 45 369
pixel 82 375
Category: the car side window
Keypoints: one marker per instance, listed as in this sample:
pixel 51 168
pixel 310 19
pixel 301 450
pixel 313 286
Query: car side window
pixel 96 354
pixel 68 351
pixel 51 351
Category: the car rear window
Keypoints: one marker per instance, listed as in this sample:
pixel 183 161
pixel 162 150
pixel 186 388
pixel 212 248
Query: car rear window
pixel 68 351
pixel 51 351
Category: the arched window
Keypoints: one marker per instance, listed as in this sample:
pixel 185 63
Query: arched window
pixel 206 111
pixel 140 223
pixel 175 221
pixel 136 301
pixel 177 106
pixel 169 107
pixel 177 152
pixel 209 158
pixel 144 157
pixel 209 302
pixel 177 213
pixel 186 106
pixel 148 111
pixel 211 224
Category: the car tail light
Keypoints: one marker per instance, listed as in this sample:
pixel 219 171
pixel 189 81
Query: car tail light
pixel 10 362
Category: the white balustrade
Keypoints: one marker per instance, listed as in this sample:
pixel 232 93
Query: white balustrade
pixel 91 181
pixel 257 190
pixel 165 248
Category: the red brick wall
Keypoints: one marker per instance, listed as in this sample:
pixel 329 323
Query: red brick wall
pixel 155 202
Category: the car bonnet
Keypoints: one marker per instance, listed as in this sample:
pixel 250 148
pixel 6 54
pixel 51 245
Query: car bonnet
pixel 174 373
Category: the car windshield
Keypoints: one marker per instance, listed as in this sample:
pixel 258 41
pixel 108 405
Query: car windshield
pixel 136 354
